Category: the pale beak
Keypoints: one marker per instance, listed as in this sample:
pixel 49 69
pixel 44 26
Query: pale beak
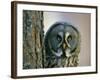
pixel 64 46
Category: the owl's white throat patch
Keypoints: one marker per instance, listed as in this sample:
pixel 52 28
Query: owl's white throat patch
pixel 67 53
pixel 58 53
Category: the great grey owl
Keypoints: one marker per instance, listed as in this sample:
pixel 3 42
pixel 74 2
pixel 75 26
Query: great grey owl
pixel 62 45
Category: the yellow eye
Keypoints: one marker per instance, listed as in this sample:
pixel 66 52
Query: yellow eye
pixel 69 38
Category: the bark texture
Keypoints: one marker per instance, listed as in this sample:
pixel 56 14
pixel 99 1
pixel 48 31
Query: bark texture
pixel 32 39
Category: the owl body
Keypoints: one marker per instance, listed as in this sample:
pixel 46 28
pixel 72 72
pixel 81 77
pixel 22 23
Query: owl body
pixel 62 45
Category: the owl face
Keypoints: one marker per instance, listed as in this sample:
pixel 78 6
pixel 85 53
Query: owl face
pixel 61 40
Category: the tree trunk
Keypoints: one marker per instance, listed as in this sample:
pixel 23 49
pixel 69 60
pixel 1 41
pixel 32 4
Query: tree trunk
pixel 33 39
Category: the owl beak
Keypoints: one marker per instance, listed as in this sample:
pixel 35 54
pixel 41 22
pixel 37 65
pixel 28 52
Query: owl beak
pixel 64 46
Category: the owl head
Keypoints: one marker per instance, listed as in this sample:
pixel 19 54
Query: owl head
pixel 62 41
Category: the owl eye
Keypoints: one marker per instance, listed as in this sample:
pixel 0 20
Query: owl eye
pixel 69 38
pixel 59 38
